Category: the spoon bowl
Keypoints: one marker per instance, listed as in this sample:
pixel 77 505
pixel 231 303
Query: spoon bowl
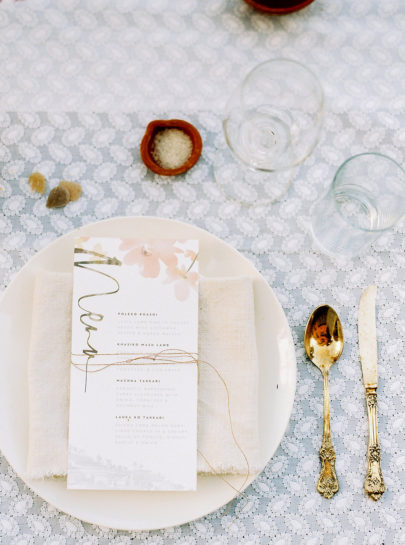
pixel 323 337
pixel 324 343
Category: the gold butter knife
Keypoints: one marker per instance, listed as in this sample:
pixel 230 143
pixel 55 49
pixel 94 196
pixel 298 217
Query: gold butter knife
pixel 374 483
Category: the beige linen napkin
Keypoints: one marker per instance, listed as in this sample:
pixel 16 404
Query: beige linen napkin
pixel 227 341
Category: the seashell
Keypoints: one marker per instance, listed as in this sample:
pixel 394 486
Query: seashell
pixel 37 182
pixel 74 189
pixel 58 197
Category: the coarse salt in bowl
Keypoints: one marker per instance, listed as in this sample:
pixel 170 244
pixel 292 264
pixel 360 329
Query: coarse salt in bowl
pixel 170 147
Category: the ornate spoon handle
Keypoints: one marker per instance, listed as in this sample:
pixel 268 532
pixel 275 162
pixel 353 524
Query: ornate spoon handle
pixel 374 483
pixel 328 483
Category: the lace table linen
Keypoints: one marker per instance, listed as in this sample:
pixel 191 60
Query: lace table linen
pixel 127 56
pixel 101 152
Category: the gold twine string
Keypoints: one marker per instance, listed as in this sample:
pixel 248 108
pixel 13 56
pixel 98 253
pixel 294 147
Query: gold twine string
pixel 167 357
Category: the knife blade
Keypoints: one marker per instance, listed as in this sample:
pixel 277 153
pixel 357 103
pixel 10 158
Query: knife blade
pixel 374 482
pixel 368 337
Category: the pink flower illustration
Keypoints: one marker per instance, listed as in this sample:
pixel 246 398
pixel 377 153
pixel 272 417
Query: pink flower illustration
pixel 147 255
pixel 191 255
pixel 80 241
pixel 184 280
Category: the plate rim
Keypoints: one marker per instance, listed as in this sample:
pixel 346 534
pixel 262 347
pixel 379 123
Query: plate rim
pixel 158 219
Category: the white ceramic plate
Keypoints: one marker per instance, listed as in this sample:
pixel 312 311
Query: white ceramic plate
pixel 126 509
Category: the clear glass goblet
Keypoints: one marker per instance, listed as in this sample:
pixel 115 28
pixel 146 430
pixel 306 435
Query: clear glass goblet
pixel 272 122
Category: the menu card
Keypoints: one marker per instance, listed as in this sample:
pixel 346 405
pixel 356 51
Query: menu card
pixel 133 381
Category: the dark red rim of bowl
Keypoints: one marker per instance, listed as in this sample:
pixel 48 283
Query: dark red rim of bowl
pixel 278 11
pixel 160 124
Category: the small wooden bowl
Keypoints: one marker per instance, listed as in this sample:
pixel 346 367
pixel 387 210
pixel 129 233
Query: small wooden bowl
pixel 278 7
pixel 147 143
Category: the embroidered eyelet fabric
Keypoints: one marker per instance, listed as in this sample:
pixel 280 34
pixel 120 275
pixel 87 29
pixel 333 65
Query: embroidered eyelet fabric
pixel 79 81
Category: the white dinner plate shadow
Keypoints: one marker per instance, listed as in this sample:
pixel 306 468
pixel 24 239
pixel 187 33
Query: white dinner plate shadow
pixel 130 510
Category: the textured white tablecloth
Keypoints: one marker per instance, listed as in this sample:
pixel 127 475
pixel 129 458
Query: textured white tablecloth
pixel 158 57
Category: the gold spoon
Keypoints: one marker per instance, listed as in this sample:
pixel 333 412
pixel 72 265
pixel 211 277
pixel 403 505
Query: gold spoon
pixel 324 342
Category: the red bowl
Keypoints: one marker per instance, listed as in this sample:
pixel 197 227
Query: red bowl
pixel 147 143
pixel 278 7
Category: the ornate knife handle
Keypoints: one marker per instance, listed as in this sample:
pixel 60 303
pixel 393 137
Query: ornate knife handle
pixel 374 483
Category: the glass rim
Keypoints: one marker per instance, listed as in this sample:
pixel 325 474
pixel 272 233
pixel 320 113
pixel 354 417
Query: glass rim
pixel 319 115
pixel 292 61
pixel 334 183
